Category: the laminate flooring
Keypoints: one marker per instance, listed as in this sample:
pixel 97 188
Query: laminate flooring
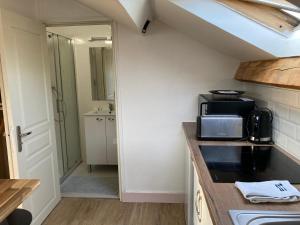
pixel 84 211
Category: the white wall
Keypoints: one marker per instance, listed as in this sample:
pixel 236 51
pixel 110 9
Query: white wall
pixel 53 11
pixel 285 104
pixel 58 11
pixel 84 89
pixel 159 77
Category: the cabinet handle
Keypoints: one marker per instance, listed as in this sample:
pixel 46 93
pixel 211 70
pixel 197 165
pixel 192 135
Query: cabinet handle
pixel 99 119
pixel 111 119
pixel 198 206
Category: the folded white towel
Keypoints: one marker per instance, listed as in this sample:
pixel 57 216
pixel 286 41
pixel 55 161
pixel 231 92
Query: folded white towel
pixel 269 191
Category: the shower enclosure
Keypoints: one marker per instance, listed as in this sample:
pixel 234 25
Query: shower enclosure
pixel 65 107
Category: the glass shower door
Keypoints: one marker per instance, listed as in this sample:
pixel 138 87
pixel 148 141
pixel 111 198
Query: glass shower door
pixel 65 102
pixel 70 107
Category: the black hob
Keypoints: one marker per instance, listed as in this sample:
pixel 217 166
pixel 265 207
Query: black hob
pixel 228 164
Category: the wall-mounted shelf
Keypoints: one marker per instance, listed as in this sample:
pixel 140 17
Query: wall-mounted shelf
pixel 283 72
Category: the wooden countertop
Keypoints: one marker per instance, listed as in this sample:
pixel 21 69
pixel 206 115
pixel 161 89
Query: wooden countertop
pixel 221 197
pixel 13 193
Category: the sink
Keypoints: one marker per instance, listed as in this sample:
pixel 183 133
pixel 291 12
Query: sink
pixel 250 217
pixel 100 113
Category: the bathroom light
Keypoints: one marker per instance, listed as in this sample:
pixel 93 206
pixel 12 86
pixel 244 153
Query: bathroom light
pixel 78 41
pixel 108 42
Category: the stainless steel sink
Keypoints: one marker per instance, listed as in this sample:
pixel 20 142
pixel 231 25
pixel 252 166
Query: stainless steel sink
pixel 249 217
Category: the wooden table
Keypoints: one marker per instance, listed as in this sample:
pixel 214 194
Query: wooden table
pixel 13 193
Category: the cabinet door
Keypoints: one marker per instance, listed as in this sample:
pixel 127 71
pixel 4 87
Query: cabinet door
pixel 201 211
pixel 197 203
pixel 95 140
pixel 189 187
pixel 111 140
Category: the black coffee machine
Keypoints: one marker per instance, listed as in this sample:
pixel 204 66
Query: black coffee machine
pixel 260 126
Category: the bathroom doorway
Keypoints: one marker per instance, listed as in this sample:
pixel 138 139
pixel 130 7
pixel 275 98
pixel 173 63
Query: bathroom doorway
pixel 83 88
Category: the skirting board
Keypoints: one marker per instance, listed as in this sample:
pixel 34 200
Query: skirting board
pixel 153 197
pixel 87 195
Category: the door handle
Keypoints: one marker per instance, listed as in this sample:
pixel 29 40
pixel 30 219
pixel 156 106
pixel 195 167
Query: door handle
pixel 20 136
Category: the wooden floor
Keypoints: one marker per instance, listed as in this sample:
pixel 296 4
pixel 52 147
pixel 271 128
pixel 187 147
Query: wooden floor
pixel 78 211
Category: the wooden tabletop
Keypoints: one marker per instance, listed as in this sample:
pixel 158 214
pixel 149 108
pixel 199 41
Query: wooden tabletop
pixel 222 197
pixel 13 193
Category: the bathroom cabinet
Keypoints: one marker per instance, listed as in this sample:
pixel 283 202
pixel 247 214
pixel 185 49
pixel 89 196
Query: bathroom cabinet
pixel 100 140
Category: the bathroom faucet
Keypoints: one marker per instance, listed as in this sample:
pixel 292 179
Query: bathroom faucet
pixel 111 106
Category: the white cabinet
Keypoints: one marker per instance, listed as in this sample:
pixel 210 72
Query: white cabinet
pixel 189 188
pixel 201 212
pixel 100 140
pixel 111 140
pixel 196 209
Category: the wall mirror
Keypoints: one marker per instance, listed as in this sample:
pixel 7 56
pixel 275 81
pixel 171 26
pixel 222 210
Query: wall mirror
pixel 102 74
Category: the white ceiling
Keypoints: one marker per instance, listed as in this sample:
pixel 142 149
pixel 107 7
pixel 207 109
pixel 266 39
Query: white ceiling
pixel 82 32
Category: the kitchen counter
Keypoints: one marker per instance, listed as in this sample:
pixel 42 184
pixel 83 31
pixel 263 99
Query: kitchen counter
pixel 13 193
pixel 222 197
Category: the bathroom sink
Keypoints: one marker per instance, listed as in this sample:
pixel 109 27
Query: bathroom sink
pixel 249 217
pixel 100 113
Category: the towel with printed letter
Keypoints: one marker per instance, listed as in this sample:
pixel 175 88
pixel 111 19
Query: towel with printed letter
pixel 269 191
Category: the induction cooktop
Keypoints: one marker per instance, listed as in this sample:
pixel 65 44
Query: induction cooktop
pixel 228 164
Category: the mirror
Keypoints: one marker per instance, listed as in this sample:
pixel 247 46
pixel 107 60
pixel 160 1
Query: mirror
pixel 102 75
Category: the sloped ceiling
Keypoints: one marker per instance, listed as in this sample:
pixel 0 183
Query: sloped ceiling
pixel 132 13
pixel 204 20
pixel 207 33
pixel 240 28
pixel 208 21
pixel 140 11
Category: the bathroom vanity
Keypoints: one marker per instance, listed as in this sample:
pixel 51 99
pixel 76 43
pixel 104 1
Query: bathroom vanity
pixel 100 138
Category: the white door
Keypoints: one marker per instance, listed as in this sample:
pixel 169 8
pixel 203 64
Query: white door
pixel 111 140
pixel 27 87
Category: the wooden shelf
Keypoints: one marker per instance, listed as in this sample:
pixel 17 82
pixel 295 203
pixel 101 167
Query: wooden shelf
pixel 282 72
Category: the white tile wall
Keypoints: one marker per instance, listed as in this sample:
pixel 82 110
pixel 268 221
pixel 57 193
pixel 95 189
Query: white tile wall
pixel 285 104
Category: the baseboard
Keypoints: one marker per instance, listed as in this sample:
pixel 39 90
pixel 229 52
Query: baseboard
pixel 88 195
pixel 153 197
